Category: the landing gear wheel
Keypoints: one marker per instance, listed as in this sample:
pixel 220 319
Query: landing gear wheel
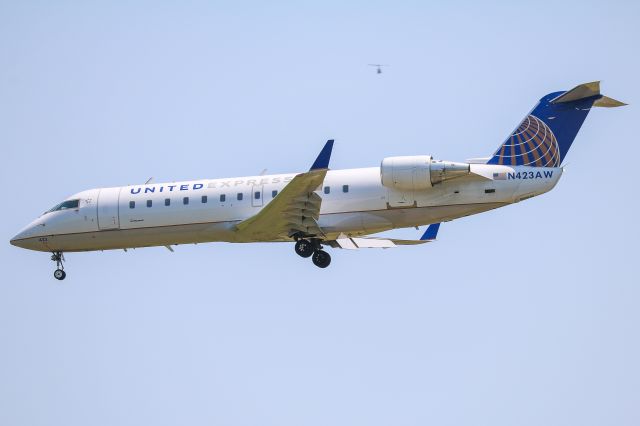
pixel 59 274
pixel 304 248
pixel 321 258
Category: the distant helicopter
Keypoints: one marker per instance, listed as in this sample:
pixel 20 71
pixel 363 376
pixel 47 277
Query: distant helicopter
pixel 378 67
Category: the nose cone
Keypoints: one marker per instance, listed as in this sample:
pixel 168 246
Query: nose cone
pixel 25 243
pixel 26 238
pixel 20 240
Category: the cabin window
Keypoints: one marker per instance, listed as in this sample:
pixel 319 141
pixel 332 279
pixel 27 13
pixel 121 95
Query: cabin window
pixel 256 195
pixel 327 189
pixel 223 197
pixel 239 196
pixel 185 200
pixel 149 203
pixel 274 193
pixel 204 199
pixel 132 204
pixel 345 188
pixel 65 205
pixel 489 191
pixel 167 201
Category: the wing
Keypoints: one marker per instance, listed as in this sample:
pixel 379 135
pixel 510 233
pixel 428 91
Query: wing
pixel 295 210
pixel 345 242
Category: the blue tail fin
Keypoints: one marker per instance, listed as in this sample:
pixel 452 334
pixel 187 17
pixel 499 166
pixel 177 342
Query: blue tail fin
pixel 547 132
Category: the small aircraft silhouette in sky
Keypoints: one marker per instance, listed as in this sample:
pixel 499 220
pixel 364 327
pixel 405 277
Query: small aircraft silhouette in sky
pixel 378 67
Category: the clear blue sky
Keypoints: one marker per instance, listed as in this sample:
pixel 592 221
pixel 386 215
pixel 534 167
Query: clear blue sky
pixel 527 315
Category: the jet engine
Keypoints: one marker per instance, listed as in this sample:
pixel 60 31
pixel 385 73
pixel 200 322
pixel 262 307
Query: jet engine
pixel 419 172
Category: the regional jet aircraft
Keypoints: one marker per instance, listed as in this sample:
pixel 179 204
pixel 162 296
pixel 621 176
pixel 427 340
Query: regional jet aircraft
pixel 322 207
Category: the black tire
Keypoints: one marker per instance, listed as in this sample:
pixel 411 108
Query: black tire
pixel 321 259
pixel 59 274
pixel 304 248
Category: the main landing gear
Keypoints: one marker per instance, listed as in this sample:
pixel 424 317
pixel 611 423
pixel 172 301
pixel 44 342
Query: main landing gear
pixel 59 273
pixel 321 258
pixel 312 248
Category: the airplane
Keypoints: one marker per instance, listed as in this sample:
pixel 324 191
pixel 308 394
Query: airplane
pixel 320 207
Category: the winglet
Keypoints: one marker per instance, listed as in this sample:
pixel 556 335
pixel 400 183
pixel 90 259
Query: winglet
pixel 431 233
pixel 322 162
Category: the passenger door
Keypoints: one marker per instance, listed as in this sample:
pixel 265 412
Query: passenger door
pixel 108 217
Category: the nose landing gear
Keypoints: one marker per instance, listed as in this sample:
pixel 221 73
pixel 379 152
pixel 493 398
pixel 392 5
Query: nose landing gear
pixel 59 273
pixel 312 248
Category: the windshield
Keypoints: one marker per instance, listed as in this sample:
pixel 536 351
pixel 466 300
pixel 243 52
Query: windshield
pixel 65 205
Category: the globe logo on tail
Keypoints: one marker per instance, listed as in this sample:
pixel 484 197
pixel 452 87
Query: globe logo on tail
pixel 531 144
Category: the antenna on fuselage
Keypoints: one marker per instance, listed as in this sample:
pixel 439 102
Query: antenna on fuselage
pixel 149 180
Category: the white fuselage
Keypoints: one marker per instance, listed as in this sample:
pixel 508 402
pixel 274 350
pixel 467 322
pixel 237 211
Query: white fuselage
pixel 355 203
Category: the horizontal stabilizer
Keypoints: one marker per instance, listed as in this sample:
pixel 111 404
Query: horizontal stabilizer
pixel 585 91
pixel 607 102
pixel 582 91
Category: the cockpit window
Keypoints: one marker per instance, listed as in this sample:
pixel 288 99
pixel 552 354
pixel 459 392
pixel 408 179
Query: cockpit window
pixel 65 205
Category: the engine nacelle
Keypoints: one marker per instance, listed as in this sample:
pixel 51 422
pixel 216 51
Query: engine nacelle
pixel 419 172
